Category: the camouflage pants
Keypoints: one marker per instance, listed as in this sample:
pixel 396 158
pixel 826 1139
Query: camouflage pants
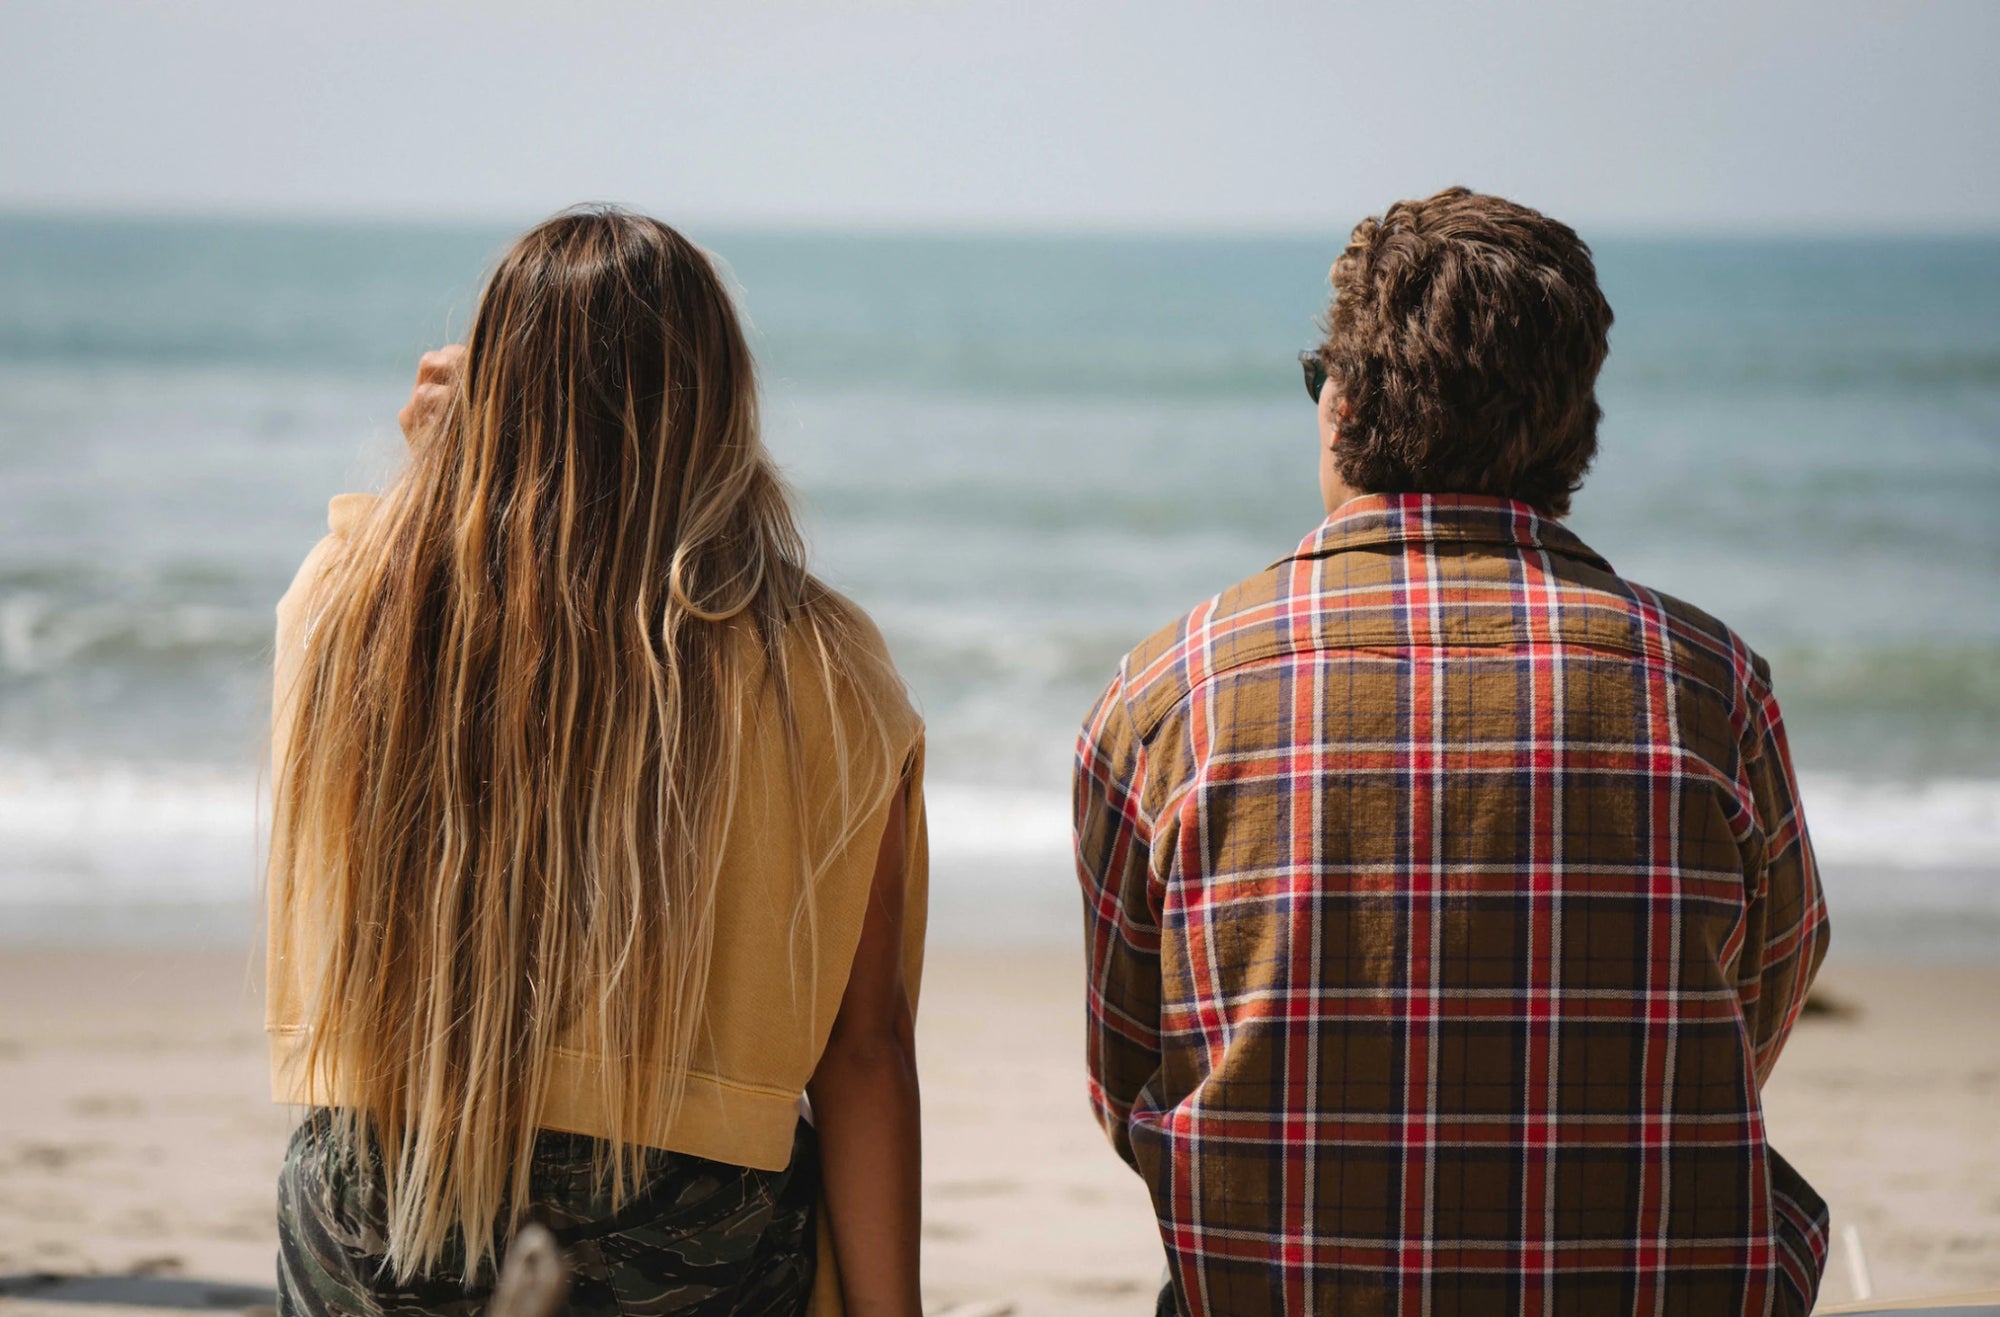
pixel 697 1237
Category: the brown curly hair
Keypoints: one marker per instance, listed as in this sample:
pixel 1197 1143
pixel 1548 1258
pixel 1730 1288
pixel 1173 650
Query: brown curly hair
pixel 1464 338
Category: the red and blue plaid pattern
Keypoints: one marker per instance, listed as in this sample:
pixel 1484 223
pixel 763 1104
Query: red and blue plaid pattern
pixel 1448 902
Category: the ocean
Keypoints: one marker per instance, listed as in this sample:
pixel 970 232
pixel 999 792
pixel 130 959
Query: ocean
pixel 1022 454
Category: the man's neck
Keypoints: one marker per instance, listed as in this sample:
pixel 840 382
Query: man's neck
pixel 1339 495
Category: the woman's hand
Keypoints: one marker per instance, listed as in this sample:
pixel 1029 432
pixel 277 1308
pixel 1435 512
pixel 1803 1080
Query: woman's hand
pixel 437 376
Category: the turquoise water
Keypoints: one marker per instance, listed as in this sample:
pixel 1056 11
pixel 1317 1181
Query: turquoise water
pixel 1022 454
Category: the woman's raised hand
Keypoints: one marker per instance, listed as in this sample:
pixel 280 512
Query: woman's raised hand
pixel 437 376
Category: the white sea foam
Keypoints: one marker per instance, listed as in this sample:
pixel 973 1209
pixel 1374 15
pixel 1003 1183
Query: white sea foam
pixel 1946 823
pixel 86 834
pixel 976 822
pixel 111 833
pixel 99 834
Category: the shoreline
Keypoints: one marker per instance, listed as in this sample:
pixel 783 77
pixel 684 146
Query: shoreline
pixel 135 1138
pixel 1883 917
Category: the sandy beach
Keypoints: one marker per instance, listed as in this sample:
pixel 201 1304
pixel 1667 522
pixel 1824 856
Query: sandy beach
pixel 136 1145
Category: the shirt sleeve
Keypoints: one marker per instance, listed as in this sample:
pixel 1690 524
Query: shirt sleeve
pixel 1121 932
pixel 344 516
pixel 1787 906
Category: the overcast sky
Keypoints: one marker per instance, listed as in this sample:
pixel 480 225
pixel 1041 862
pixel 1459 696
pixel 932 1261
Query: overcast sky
pixel 1833 115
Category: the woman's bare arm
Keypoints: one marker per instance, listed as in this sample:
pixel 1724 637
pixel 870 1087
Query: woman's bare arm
pixel 865 1106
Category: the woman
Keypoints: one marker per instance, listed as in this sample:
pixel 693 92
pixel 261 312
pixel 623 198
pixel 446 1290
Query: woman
pixel 598 838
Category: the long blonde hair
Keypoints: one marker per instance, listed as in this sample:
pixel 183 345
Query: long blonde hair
pixel 513 745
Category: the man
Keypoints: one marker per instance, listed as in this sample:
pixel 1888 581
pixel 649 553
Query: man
pixel 1448 898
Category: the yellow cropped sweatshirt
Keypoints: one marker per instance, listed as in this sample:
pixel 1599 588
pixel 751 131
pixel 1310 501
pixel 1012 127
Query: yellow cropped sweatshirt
pixel 764 1038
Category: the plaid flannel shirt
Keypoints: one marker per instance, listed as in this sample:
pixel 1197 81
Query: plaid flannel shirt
pixel 1448 901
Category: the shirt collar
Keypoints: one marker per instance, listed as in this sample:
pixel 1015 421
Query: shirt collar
pixel 1378 519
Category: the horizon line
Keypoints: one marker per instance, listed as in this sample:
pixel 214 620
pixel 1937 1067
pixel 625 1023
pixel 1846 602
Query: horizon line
pixel 889 227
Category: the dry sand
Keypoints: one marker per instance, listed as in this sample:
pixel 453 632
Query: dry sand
pixel 134 1137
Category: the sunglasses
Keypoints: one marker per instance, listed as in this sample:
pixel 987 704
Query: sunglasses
pixel 1315 370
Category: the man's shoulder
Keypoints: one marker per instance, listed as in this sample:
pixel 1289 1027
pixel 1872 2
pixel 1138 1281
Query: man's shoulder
pixel 1703 656
pixel 1695 639
pixel 1239 625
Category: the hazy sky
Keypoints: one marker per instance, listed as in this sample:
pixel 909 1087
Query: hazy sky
pixel 1838 114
